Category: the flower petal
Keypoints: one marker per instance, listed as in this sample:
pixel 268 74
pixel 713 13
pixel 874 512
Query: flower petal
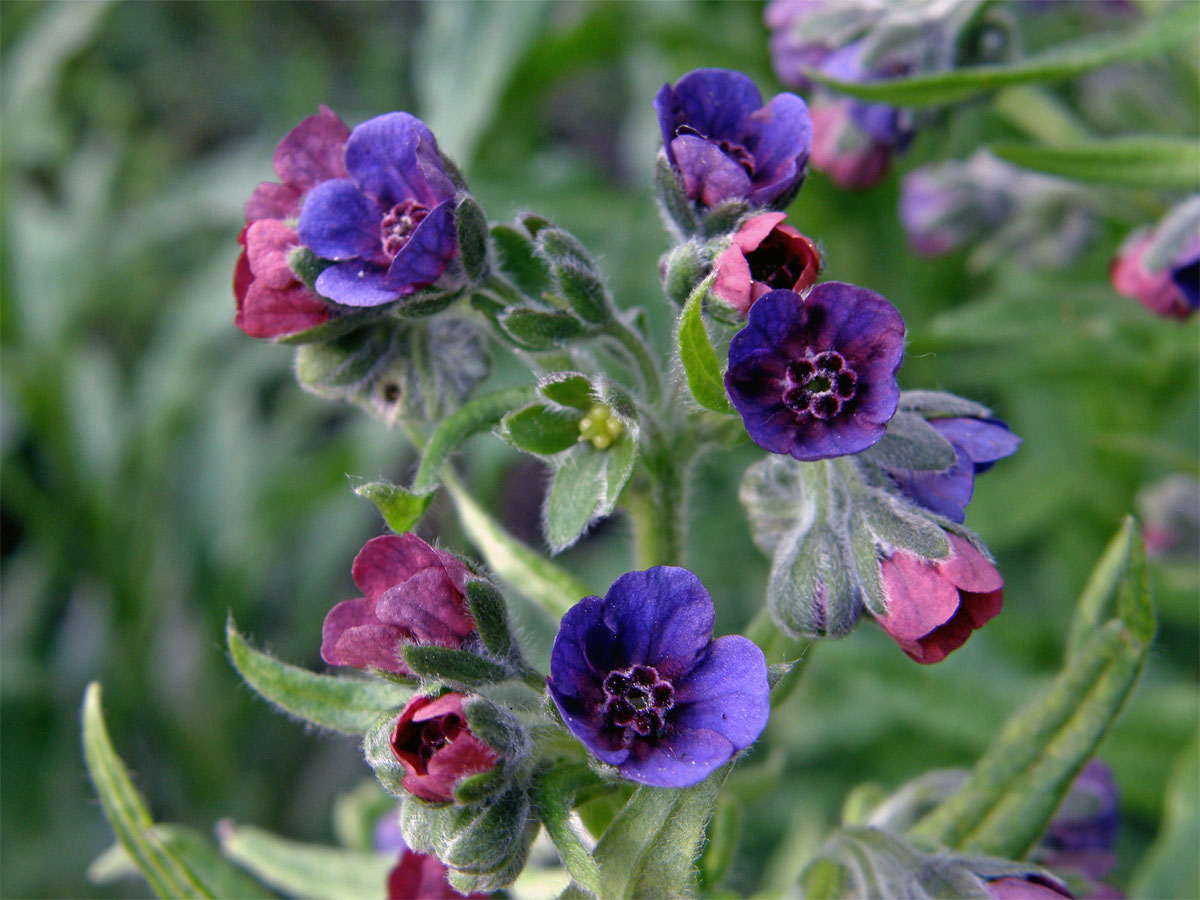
pixel 338 222
pixel 709 175
pixel 727 692
pixel 357 283
pixel 268 244
pixel 779 137
pixel 428 252
pixel 267 313
pixel 716 102
pixel 969 569
pixel 983 440
pixel 312 152
pixel 919 597
pixel 392 559
pixel 678 761
pixel 272 200
pixel 429 606
pixel 663 617
pixel 352 636
pixel 382 158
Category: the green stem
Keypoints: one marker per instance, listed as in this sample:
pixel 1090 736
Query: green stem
pixel 656 509
pixel 640 351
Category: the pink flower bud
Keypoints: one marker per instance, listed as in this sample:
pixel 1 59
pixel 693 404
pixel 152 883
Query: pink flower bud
pixel 436 747
pixel 765 255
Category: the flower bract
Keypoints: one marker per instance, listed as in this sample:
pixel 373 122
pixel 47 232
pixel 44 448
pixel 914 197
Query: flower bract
pixel 815 377
pixel 639 680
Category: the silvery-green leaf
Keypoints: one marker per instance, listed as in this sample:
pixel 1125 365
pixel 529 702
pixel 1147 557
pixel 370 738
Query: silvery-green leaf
pixel 899 525
pixel 939 404
pixel 913 444
pixel 579 490
pixel 780 497
pixel 401 509
pixel 519 261
pixel 541 430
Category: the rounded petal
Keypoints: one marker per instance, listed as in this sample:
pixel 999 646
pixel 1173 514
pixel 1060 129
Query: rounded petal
pixel 268 244
pixel 780 139
pixel 352 636
pixel 392 559
pixel 582 652
pixel 338 222
pixel 969 569
pixel 983 440
pixel 716 102
pixel 727 692
pixel 358 283
pixel 428 252
pixel 679 760
pixel 312 152
pixel 733 283
pixel 662 617
pixel 428 605
pixel 268 313
pixel 919 597
pixel 945 493
pixel 755 230
pixel 382 158
pixel 709 175
pixel 271 200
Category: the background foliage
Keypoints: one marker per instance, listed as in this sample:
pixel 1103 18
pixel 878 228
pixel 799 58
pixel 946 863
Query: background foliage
pixel 160 469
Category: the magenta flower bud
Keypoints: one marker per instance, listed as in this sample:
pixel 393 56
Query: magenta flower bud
pixel 413 594
pixel 271 301
pixel 726 144
pixel 309 154
pixel 1170 291
pixel 764 255
pixel 843 151
pixel 815 377
pixel 436 747
pixel 418 876
pixel 934 605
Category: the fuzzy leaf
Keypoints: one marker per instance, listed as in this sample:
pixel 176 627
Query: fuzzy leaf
pixel 332 368
pixel 567 389
pixel 650 848
pixel 912 443
pixel 490 615
pixel 541 430
pixel 577 495
pixel 700 364
pixel 780 496
pixel 1124 559
pixel 1153 161
pixel 672 201
pixel 167 874
pixel 480 414
pixel 377 749
pixel 451 665
pixel 1014 789
pixel 537 330
pixel 721 844
pixel 896 524
pixel 306 871
pixel 553 588
pixel 519 261
pixel 584 293
pixel 938 404
pixel 1066 60
pixel 349 705
pixel 472 237
pixel 564 249
pixel 401 509
pixel 553 797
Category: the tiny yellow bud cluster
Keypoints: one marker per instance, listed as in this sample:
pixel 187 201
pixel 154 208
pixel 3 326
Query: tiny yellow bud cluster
pixel 600 427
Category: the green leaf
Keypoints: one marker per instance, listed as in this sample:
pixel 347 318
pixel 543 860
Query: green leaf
pixel 650 849
pixel 898 524
pixel 401 509
pixel 1154 161
pixel 332 368
pixel 541 430
pixel 519 261
pixel 490 615
pixel 126 811
pixel 1067 60
pixel 553 793
pixel 564 249
pixel 579 490
pixel 349 705
pixel 472 237
pixel 306 871
pixel 478 415
pixel 700 364
pixel 377 750
pixel 668 188
pixel 192 846
pixel 721 844
pixel 567 389
pixel 1168 869
pixel 553 588
pixel 1004 805
pixel 1099 598
pixel 451 665
pixel 537 330
pixel 912 443
pixel 938 404
pixel 584 293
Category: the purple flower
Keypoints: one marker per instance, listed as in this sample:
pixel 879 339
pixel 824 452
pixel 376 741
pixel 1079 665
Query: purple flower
pixel 1173 291
pixel 414 594
pixel 1030 887
pixel 728 146
pixel 816 377
pixel 933 605
pixel 437 748
pixel 1083 832
pixel 390 225
pixel 977 443
pixel 640 681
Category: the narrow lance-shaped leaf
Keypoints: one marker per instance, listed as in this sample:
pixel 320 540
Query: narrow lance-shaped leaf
pixel 1008 799
pixel 126 811
pixel 1146 161
pixel 480 414
pixel 449 664
pixel 1175 26
pixel 1098 600
pixel 553 796
pixel 349 705
pixel 401 509
pixel 700 363
pixel 306 871
pixel 650 849
pixel 553 588
pixel 490 615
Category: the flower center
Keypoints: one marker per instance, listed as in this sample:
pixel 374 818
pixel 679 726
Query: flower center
pixel 738 154
pixel 436 733
pixel 819 385
pixel 399 224
pixel 637 700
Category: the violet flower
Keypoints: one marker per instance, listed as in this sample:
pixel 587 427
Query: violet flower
pixel 726 144
pixel 816 377
pixel 977 444
pixel 413 593
pixel 933 605
pixel 639 680
pixel 437 748
pixel 390 225
pixel 763 255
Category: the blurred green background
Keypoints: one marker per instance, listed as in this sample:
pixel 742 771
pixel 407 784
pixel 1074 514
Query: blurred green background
pixel 160 469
